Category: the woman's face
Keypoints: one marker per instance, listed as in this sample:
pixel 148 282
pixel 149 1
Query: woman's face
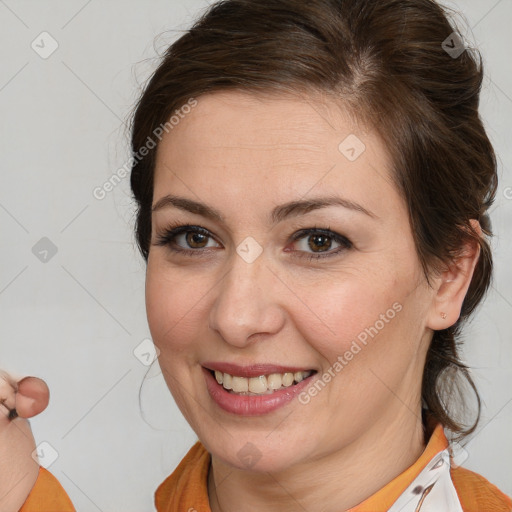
pixel 348 303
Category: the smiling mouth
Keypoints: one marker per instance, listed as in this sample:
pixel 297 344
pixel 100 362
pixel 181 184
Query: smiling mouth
pixel 260 385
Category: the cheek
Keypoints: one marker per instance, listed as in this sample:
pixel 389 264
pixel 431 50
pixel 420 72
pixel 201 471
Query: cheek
pixel 341 312
pixel 170 309
pixel 158 300
pixel 172 303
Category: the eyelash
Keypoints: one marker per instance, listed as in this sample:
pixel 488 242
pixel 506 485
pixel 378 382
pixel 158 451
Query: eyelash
pixel 168 236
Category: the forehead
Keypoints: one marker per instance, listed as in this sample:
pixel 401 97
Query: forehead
pixel 237 120
pixel 234 142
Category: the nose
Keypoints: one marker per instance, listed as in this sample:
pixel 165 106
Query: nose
pixel 247 303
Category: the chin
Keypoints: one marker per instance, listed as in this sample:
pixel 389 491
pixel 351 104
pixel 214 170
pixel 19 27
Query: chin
pixel 258 452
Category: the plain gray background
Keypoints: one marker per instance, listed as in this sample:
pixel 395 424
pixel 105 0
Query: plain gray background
pixel 76 318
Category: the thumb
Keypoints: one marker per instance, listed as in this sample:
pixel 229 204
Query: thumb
pixel 32 397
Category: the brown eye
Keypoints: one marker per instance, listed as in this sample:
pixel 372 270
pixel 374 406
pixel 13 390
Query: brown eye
pixel 318 242
pixel 190 240
pixel 186 239
pixel 195 240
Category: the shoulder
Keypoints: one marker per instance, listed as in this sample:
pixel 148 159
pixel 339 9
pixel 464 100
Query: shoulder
pixel 47 494
pixel 476 494
pixel 187 482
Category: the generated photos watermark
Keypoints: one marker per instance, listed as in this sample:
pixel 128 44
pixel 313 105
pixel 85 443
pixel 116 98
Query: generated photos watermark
pixel 343 360
pixel 109 185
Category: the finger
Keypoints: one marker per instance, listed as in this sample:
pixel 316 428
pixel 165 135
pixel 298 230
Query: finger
pixel 32 397
pixel 7 393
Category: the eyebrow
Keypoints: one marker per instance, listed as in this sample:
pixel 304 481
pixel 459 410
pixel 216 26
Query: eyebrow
pixel 278 214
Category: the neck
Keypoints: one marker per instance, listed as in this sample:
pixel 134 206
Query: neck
pixel 331 483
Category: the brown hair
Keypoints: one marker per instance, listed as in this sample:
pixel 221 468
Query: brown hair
pixel 385 61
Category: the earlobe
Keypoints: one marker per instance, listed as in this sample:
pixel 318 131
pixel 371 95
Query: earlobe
pixel 453 284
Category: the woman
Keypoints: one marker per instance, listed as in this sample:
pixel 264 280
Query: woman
pixel 314 221
pixel 313 217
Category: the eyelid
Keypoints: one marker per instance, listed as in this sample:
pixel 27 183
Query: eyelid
pixel 169 234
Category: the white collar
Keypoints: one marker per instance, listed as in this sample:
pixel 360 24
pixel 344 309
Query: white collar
pixel 432 490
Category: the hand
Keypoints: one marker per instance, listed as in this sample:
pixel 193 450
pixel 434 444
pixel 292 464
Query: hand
pixel 18 470
pixel 26 398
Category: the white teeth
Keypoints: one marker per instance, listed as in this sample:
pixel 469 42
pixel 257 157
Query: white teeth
pixel 298 377
pixel 287 379
pixel 263 384
pixel 258 384
pixel 227 381
pixel 274 381
pixel 240 384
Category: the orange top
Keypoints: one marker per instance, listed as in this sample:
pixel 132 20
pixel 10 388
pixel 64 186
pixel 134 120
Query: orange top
pixel 187 487
pixel 47 495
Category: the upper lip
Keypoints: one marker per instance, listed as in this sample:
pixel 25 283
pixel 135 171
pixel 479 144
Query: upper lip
pixel 253 370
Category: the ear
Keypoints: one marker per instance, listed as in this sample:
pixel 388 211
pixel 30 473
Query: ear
pixel 32 397
pixel 452 285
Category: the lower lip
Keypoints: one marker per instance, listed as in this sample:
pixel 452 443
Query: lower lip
pixel 251 405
